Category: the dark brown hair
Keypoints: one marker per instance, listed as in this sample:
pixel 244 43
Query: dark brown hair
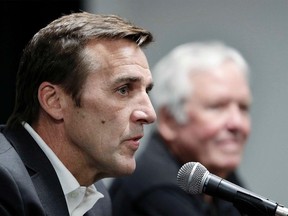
pixel 54 54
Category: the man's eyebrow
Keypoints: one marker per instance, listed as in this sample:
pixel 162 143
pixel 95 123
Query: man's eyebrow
pixel 127 79
pixel 130 79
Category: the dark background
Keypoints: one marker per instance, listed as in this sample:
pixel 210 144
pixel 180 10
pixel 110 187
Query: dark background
pixel 19 21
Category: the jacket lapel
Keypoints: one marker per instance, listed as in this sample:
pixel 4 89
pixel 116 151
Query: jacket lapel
pixel 41 171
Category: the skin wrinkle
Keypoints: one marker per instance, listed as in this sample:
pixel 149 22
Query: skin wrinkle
pixel 99 133
pixel 115 107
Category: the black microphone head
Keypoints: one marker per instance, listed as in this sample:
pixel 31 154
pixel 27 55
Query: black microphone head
pixel 190 177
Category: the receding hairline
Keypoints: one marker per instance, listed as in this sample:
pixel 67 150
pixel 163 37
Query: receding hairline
pixel 86 26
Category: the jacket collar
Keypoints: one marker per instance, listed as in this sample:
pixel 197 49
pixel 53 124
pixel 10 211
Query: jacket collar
pixel 40 169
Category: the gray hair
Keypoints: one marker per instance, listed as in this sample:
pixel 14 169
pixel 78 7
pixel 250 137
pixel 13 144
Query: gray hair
pixel 170 74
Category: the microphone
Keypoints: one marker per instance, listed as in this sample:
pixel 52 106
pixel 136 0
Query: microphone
pixel 194 178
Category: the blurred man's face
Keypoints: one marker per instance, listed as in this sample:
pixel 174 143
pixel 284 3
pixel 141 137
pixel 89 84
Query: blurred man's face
pixel 218 119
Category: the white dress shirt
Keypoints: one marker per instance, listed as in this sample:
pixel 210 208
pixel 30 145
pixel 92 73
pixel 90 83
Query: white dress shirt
pixel 79 199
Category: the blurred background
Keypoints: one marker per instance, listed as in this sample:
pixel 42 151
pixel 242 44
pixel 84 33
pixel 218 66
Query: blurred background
pixel 258 29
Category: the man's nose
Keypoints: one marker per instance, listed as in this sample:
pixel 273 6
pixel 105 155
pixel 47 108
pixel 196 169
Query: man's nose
pixel 145 114
pixel 236 117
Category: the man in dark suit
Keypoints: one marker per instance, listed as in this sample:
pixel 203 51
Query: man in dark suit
pixel 81 103
pixel 202 99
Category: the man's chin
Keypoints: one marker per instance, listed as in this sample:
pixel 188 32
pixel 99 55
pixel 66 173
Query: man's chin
pixel 224 167
pixel 127 169
pixel 231 164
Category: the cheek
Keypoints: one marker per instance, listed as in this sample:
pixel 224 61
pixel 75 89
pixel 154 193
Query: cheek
pixel 202 129
pixel 247 127
pixel 209 132
pixel 198 137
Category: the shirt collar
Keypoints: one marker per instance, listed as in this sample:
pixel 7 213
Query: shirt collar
pixel 74 193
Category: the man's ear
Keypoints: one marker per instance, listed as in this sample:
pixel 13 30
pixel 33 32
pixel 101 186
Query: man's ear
pixel 49 96
pixel 167 124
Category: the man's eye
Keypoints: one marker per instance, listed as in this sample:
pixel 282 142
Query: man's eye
pixel 123 90
pixel 244 108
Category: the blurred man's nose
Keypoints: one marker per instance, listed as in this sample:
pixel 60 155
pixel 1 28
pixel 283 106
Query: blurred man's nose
pixel 236 118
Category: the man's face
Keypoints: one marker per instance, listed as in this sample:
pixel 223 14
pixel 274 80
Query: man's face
pixel 108 125
pixel 218 119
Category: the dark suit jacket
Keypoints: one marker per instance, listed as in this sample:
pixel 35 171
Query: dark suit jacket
pixel 152 189
pixel 28 183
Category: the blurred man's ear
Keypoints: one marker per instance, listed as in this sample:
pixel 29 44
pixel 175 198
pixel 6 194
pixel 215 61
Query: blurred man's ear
pixel 167 125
